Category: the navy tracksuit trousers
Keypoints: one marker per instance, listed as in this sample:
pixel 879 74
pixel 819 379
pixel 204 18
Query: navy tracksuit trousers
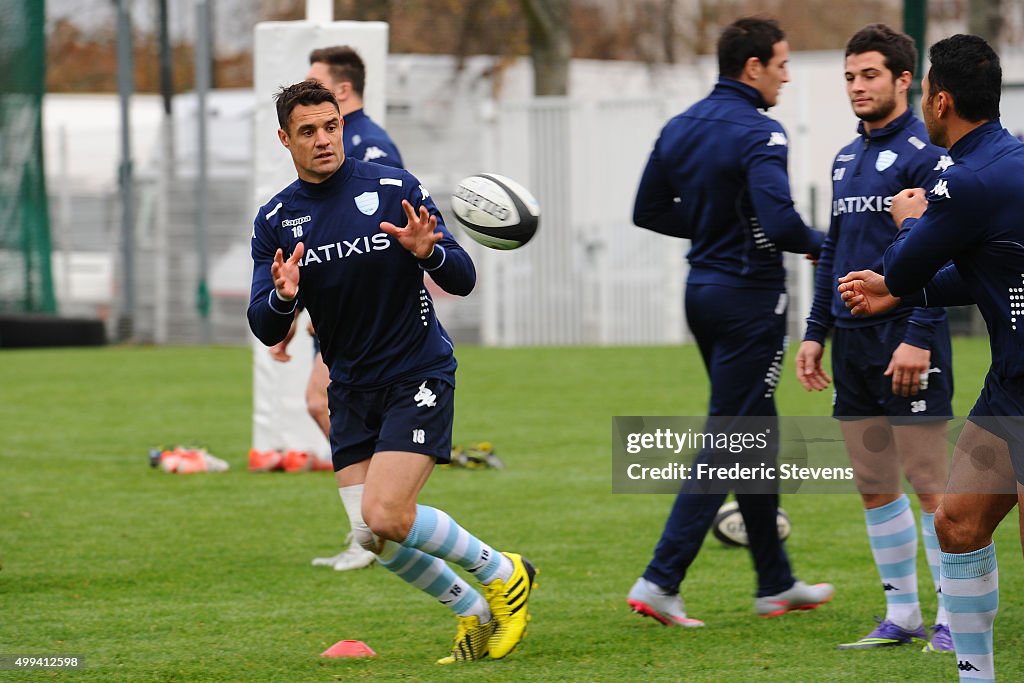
pixel 741 335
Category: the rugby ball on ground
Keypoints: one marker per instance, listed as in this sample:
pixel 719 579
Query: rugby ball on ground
pixel 495 211
pixel 729 528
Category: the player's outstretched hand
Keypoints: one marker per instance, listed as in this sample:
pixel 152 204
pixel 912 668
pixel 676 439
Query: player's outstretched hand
pixel 864 293
pixel 910 203
pixel 808 366
pixel 286 273
pixel 909 365
pixel 419 234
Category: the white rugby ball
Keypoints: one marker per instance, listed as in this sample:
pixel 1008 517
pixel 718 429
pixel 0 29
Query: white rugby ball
pixel 729 528
pixel 496 211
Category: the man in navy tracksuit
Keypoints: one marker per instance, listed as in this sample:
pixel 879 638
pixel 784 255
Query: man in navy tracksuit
pixel 718 176
pixel 893 372
pixel 972 216
pixel 360 236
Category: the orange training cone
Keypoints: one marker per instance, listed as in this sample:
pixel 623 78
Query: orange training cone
pixel 349 648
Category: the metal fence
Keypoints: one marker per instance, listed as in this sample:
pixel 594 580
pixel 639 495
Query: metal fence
pixel 589 276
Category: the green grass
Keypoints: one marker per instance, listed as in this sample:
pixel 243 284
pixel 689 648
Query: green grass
pixel 157 577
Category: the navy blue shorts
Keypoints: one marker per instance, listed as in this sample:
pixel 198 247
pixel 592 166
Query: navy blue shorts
pixel 412 416
pixel 859 359
pixel 1000 410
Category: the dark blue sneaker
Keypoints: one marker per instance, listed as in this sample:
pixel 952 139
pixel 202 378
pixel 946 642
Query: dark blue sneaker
pixel 886 634
pixel 942 640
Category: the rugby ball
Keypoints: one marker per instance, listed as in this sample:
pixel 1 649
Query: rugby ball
pixel 728 525
pixel 495 211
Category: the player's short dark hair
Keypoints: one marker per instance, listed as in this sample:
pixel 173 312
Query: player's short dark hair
pixel 344 63
pixel 897 48
pixel 968 69
pixel 746 38
pixel 308 92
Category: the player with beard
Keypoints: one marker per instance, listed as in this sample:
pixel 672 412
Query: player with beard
pixel 893 372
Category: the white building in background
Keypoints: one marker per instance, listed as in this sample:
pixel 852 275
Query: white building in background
pixel 588 277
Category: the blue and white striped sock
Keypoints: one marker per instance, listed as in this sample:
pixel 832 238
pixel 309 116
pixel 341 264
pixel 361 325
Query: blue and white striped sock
pixel 435 532
pixel 970 588
pixel 893 537
pixel 434 577
pixel 932 552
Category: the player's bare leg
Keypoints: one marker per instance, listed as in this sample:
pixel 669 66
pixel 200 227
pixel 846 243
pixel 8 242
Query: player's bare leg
pixel 981 491
pixel 923 449
pixel 892 531
pixel 316 395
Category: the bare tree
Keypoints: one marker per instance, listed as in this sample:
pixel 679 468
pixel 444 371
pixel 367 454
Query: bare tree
pixel 550 47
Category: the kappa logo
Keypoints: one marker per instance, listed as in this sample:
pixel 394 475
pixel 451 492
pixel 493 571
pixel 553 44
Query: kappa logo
pixel 777 138
pixel 889 587
pixel 945 161
pixel 965 665
pixel 374 153
pixel 368 202
pixel 425 398
pixel 291 222
pixel 924 376
pixel 941 189
pixel 423 192
pixel 296 224
pixel 886 158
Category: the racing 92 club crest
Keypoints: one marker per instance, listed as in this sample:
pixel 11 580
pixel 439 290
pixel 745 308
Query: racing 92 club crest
pixel 886 158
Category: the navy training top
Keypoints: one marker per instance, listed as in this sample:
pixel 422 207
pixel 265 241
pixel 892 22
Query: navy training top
pixel 364 291
pixel 718 176
pixel 975 218
pixel 865 175
pixel 365 140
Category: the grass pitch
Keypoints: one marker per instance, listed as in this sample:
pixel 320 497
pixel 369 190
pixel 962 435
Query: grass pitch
pixel 158 577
